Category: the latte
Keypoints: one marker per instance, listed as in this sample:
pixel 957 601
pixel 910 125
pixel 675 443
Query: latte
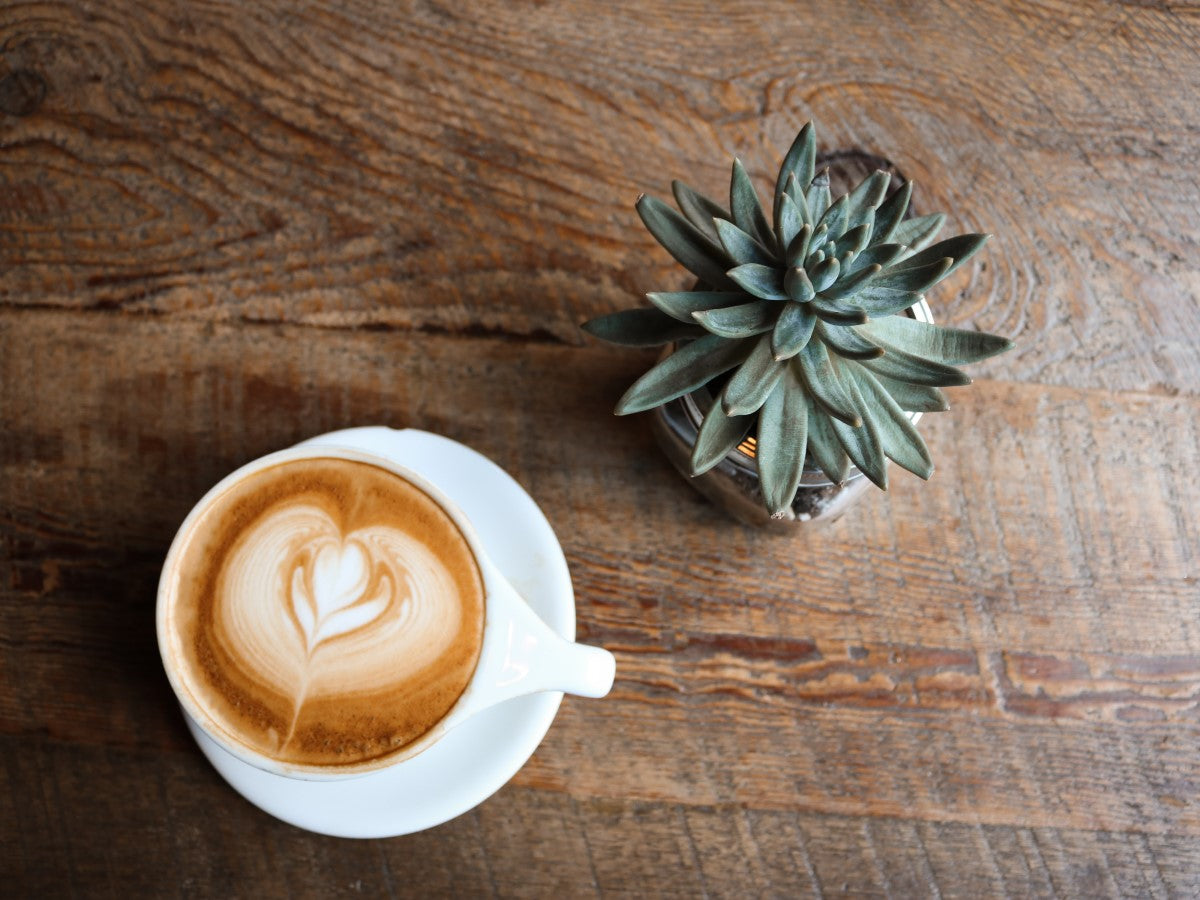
pixel 324 612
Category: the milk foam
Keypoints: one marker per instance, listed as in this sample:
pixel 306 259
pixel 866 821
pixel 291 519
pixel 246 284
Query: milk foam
pixel 329 612
pixel 315 611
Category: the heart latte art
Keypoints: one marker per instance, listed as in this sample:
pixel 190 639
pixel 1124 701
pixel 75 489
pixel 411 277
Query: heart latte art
pixel 328 612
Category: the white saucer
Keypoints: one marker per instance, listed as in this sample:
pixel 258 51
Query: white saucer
pixel 477 758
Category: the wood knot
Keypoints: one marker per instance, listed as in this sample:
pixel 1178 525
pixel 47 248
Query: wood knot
pixel 21 92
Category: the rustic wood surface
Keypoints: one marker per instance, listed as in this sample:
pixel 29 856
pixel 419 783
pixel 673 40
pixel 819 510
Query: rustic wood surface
pixel 225 227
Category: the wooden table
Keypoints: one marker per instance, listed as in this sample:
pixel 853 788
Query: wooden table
pixel 225 227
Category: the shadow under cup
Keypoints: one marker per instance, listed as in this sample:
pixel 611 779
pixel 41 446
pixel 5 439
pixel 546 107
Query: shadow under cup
pixel 322 613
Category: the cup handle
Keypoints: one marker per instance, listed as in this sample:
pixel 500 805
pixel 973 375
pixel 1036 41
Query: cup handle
pixel 521 655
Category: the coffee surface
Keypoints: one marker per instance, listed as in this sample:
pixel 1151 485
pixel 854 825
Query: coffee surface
pixel 325 612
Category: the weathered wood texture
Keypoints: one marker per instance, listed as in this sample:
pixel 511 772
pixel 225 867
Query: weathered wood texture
pixel 224 229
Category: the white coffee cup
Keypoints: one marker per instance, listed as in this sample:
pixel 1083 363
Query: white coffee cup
pixel 520 654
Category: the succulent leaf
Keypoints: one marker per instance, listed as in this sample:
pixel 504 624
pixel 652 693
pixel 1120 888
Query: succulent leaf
pixel 951 346
pixel 679 237
pixel 640 328
pixel 818 196
pixel 798 163
pixel 816 371
pixel 747 211
pixel 913 279
pixel 838 312
pixel 797 286
pixel 876 255
pixel 863 200
pixel 862 444
pixel 791 221
pixel 681 304
pixel 742 321
pixel 835 218
pixel 765 282
pixel 855 240
pixel 848 342
pixel 890 213
pixel 825 273
pixel 917 233
pixel 901 442
pixel 914 397
pixel 907 367
pixel 824 446
pixel 691 366
pixel 719 434
pixel 792 331
pixel 877 301
pixel 741 246
pixel 698 209
pixel 847 286
pixel 782 443
pixel 958 249
pixel 753 381
pixel 797 248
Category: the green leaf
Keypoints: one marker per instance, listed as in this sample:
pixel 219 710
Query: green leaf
pixel 751 383
pixel 918 232
pixel 740 321
pixel 835 218
pixel 914 370
pixel 863 200
pixel 863 444
pixel 692 365
pixel 719 434
pixel 797 248
pixel 914 397
pixel 798 163
pixel 640 328
pixel 823 445
pixel 825 273
pixel 741 246
pixel 855 240
pixel 791 221
pixel 952 346
pixel 817 373
pixel 691 248
pixel 782 443
pixel 747 211
pixel 847 286
pixel 891 213
pixel 914 279
pixel 848 342
pixel 818 197
pixel 797 286
pixel 792 330
pixel 681 304
pixel 837 312
pixel 901 441
pixel 878 301
pixel 698 209
pixel 819 236
pixel 765 282
pixel 876 255
pixel 959 249
pixel 796 192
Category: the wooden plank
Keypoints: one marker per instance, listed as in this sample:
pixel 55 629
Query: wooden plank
pixel 184 832
pixel 918 660
pixel 475 171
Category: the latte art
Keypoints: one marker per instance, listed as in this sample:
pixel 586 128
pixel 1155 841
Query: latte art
pixel 335 613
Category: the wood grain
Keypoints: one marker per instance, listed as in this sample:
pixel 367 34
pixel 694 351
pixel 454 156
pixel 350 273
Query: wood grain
pixel 225 228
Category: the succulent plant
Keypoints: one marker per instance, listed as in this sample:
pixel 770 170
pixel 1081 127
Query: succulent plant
pixel 797 324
